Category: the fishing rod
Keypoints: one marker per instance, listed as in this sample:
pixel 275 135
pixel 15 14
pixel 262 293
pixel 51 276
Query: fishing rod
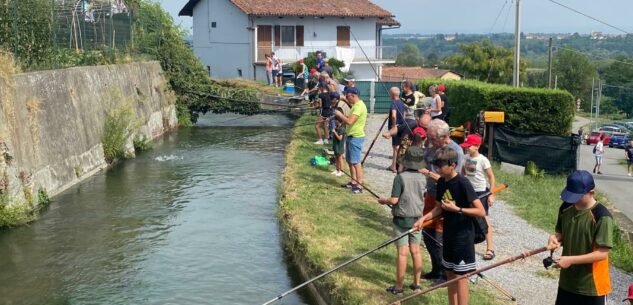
pixel 382 245
pixel 496 286
pixel 467 275
pixel 375 138
pixel 277 129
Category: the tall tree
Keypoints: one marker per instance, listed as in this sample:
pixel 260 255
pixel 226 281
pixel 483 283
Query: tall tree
pixel 485 61
pixel 410 56
pixel 574 71
pixel 619 83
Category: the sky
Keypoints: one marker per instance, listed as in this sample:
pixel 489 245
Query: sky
pixel 478 16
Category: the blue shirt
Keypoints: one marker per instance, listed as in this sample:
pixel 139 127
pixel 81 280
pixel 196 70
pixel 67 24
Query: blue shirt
pixel 398 105
pixel 320 64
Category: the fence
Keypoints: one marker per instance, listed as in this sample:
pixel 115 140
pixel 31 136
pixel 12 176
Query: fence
pixel 376 94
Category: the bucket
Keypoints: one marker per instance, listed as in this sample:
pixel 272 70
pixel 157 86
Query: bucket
pixel 289 87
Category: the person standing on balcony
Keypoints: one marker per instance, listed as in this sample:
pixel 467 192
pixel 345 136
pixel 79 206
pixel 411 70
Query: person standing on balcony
pixel 269 69
pixel 327 68
pixel 277 73
pixel 319 61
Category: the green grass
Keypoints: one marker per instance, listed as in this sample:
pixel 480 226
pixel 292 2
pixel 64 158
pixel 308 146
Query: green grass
pixel 327 225
pixel 537 201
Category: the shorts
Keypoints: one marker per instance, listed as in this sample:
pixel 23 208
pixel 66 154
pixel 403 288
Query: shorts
pixel 630 162
pixel 275 73
pixel 396 140
pixel 459 255
pixel 484 201
pixel 407 128
pixel 414 238
pixel 598 160
pixel 326 113
pixel 564 297
pixel 353 148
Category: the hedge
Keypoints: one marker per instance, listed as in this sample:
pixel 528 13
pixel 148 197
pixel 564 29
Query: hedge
pixel 526 109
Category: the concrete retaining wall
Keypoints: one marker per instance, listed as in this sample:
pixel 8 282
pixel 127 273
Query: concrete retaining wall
pixel 51 122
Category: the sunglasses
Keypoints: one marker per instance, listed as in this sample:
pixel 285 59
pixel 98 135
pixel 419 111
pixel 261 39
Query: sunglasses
pixel 441 163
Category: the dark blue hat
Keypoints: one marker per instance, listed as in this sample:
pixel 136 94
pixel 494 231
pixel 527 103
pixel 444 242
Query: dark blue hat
pixel 352 90
pixel 579 183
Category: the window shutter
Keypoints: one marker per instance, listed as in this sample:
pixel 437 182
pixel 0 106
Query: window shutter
pixel 277 36
pixel 299 33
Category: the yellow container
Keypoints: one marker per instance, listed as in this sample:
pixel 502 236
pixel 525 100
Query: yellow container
pixel 494 117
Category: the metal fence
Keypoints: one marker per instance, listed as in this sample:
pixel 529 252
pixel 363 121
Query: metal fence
pixel 91 24
pixel 376 95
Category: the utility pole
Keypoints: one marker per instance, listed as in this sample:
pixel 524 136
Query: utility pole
pixel 549 65
pixel 593 86
pixel 599 98
pixel 517 46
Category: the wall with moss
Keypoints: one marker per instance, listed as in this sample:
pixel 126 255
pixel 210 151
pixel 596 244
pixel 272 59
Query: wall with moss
pixel 53 123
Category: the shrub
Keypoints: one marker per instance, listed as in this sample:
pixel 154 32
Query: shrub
pixel 526 109
pixel 16 214
pixel 42 197
pixel 142 143
pixel 119 125
pixel 310 61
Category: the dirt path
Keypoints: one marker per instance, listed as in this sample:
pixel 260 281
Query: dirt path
pixel 526 280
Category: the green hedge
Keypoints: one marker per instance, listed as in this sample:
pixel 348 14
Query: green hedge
pixel 526 109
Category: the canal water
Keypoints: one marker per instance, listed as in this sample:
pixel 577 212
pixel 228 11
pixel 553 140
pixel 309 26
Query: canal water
pixel 191 221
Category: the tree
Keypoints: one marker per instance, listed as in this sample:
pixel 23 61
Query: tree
pixel 409 56
pixel 619 83
pixel 486 62
pixel 574 71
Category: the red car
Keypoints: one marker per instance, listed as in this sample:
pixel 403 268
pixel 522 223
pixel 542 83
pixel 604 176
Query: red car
pixel 594 137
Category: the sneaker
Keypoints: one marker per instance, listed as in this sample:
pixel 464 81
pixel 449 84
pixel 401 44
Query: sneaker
pixel 334 172
pixel 630 175
pixel 325 141
pixel 338 174
pixel 319 142
pixel 430 276
pixel 439 281
pixel 357 190
pixel 599 173
pixel 349 185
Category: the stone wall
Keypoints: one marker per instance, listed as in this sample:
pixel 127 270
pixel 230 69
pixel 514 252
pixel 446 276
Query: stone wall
pixel 51 122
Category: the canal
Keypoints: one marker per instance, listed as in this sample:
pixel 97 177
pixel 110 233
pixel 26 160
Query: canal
pixel 191 221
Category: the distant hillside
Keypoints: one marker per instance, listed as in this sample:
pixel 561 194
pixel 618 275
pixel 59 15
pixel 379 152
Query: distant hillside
pixel 533 46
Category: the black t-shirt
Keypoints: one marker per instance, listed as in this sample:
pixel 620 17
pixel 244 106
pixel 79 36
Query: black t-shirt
pixel 408 100
pixel 444 99
pixel 462 192
pixel 629 152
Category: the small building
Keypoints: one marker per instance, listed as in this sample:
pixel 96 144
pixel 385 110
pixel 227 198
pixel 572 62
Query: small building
pixel 396 74
pixel 232 36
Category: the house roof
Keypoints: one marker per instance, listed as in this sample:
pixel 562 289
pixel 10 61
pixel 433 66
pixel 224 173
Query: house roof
pixel 412 73
pixel 388 21
pixel 326 8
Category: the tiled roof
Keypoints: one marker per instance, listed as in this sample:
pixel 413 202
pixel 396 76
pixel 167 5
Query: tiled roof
pixel 388 21
pixel 325 8
pixel 411 73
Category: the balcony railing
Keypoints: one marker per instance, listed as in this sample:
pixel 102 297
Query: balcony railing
pixel 353 54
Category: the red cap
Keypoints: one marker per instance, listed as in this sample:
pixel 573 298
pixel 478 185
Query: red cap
pixel 419 130
pixel 630 295
pixel 441 88
pixel 471 139
pixel 312 71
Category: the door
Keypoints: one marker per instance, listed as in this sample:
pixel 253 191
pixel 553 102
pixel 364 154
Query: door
pixel 264 41
pixel 342 36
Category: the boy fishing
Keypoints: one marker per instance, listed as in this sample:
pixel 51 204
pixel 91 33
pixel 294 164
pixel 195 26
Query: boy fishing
pixel 477 168
pixel 585 231
pixel 457 202
pixel 338 146
pixel 407 200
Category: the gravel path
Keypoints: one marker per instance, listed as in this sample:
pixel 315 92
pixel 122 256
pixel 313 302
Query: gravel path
pixel 526 280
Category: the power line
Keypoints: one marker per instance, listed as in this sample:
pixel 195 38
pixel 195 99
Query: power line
pixel 593 55
pixel 590 17
pixel 498 15
pixel 505 22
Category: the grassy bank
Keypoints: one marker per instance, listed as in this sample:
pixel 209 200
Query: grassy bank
pixel 328 225
pixel 537 201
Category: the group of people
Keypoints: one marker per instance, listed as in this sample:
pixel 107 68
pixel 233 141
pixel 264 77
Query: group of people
pixel 441 188
pixel 274 70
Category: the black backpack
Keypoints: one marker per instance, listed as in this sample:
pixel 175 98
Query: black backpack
pixel 481 229
pixel 594 148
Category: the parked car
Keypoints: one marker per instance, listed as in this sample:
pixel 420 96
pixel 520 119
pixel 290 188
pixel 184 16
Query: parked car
pixel 620 140
pixel 594 137
pixel 622 125
pixel 610 128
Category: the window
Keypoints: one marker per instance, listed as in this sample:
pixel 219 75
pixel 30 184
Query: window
pixel 342 36
pixel 287 36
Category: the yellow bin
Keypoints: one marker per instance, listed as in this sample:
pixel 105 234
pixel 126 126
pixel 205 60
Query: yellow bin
pixel 494 117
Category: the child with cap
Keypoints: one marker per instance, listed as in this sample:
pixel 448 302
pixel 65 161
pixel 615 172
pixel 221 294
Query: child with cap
pixel 629 295
pixel 457 202
pixel 476 168
pixel 338 145
pixel 406 198
pixel 585 231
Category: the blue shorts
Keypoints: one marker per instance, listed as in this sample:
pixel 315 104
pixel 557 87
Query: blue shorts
pixel 275 73
pixel 353 149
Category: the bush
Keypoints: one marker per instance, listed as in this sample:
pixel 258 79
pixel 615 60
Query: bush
pixel 526 109
pixel 119 125
pixel 310 61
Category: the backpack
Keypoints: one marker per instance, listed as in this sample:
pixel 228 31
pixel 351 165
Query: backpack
pixel 481 229
pixel 594 148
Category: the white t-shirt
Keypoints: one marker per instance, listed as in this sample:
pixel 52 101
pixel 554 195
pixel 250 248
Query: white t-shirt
pixel 599 148
pixel 475 169
pixel 276 63
pixel 436 100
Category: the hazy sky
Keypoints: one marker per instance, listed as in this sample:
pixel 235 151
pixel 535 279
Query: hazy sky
pixel 478 16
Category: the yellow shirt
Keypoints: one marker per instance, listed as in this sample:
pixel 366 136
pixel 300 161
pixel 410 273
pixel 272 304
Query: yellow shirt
pixel 357 129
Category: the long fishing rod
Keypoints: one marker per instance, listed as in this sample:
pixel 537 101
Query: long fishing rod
pixel 277 129
pixel 375 138
pixel 496 286
pixel 382 245
pixel 467 275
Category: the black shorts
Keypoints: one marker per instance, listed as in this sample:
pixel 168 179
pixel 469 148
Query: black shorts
pixel 396 140
pixel 458 254
pixel 569 298
pixel 484 201
pixel 630 162
pixel 275 73
pixel 407 128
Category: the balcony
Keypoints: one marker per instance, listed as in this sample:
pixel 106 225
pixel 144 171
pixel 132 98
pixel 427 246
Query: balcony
pixel 382 54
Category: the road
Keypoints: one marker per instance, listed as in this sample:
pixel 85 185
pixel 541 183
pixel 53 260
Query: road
pixel 614 181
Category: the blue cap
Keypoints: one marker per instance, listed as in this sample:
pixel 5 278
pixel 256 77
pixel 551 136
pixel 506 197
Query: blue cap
pixel 579 183
pixel 352 90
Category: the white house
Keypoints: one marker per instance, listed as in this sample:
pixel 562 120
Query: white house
pixel 232 36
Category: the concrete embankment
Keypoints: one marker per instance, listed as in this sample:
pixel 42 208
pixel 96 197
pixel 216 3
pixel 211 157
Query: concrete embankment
pixel 52 122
